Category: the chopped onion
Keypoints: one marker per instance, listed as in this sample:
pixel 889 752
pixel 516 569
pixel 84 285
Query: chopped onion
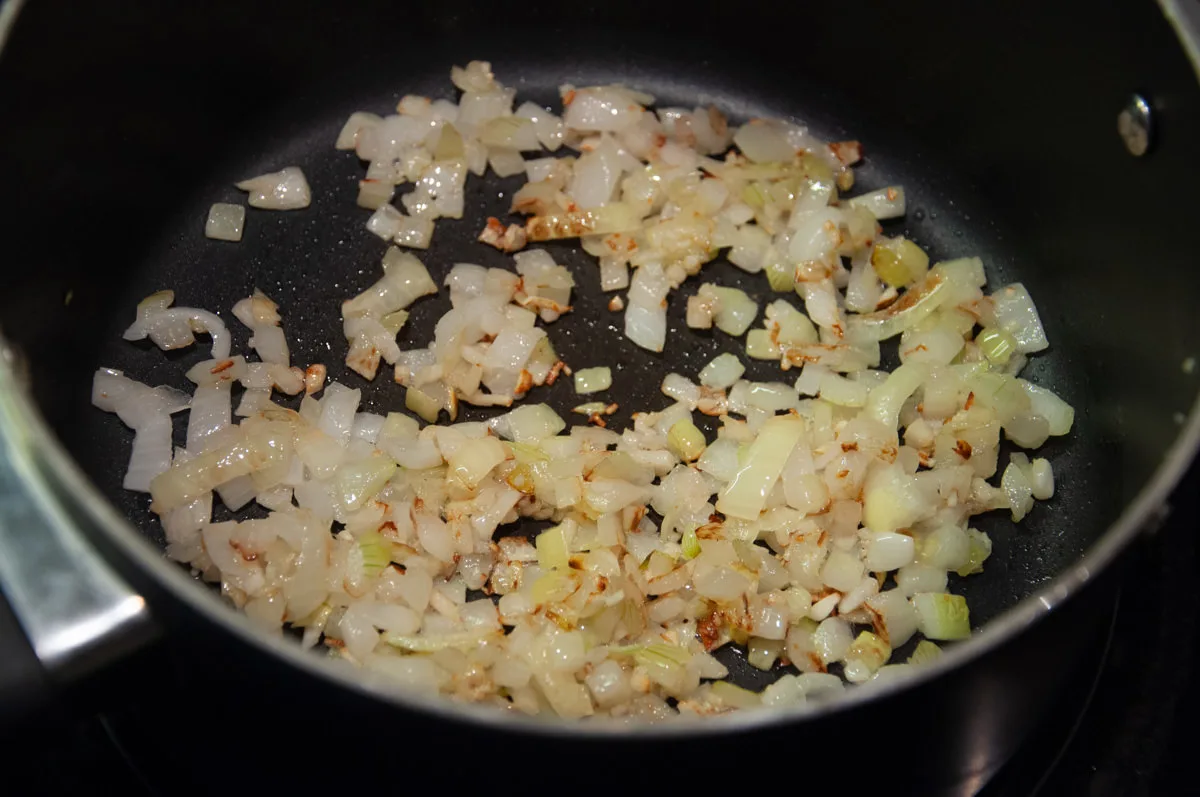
pixel 724 370
pixel 747 492
pixel 1015 314
pixel 593 380
pixel 377 528
pixel 886 203
pixel 735 311
pixel 283 190
pixel 899 262
pixel 686 440
pixel 225 222
pixel 942 616
pixel 1016 486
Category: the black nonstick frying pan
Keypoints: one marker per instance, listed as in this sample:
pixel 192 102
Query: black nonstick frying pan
pixel 124 122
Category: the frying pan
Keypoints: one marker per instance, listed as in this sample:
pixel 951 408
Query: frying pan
pixel 126 121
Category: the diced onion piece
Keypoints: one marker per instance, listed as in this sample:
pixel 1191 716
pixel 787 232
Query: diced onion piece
pixel 886 203
pixel 832 639
pixel 734 695
pixel 759 345
pixel 413 233
pixel 552 548
pixel 980 548
pixel 376 552
pixel 283 190
pixel 781 276
pixel 358 121
pixel 1043 402
pixel 357 483
pixel 1016 486
pixel 892 500
pixel 925 652
pixel 510 132
pixel 608 218
pixel 865 657
pixel 735 310
pixel 843 392
pixel 746 494
pixel 996 344
pixel 225 222
pixel 593 380
pixel 690 543
pixel 423 404
pixel 763 142
pixel 472 461
pixel 531 423
pixel 885 401
pixel 1016 314
pixel 686 440
pixel 942 616
pixel 899 261
pixel 888 550
pixel 722 372
pixel 1041 478
pixel 374 194
pixel 948 547
pixel 916 304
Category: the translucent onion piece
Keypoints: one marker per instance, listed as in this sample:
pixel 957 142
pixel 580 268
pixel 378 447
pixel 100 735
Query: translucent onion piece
pixel 283 190
pixel 225 222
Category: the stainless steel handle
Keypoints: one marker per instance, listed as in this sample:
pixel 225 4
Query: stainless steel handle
pixel 76 612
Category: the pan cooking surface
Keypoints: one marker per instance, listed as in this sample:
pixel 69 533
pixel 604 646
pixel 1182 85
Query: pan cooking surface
pixel 310 260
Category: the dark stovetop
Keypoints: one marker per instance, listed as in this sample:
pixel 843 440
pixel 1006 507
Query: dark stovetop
pixel 1120 730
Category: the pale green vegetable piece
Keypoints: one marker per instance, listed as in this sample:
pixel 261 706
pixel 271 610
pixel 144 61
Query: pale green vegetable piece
pixel 925 652
pixel 941 615
pixel 592 380
pixel 686 440
pixel 746 494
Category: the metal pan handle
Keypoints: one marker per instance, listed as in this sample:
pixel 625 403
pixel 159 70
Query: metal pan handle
pixel 64 612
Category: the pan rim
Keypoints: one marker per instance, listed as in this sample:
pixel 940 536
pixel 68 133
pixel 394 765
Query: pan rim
pixel 54 466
